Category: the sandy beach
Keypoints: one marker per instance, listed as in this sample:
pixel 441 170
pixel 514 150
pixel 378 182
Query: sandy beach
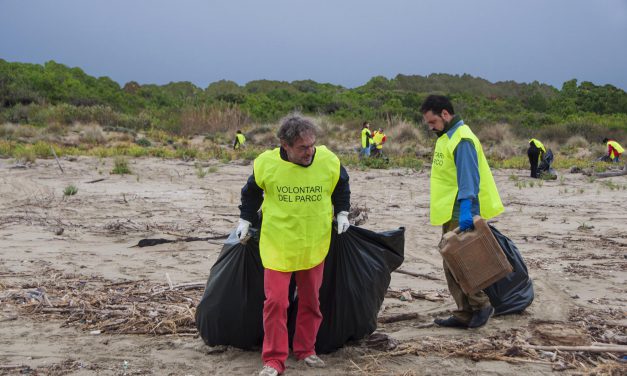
pixel 62 256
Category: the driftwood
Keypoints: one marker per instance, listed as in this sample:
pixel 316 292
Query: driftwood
pixel 94 181
pixel 610 174
pixel 56 159
pixel 23 368
pixel 419 275
pixel 606 174
pixel 430 296
pixel 151 242
pixel 398 317
pixel 604 348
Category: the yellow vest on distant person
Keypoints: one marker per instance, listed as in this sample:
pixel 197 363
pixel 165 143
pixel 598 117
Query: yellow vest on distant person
pixel 377 138
pixel 444 179
pixel 365 135
pixel 538 144
pixel 616 147
pixel 297 209
pixel 240 140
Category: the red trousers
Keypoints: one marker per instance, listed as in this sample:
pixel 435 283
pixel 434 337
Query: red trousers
pixel 275 341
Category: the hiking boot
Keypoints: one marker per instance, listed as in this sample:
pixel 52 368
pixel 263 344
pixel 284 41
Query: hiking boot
pixel 314 361
pixel 481 317
pixel 268 371
pixel 451 322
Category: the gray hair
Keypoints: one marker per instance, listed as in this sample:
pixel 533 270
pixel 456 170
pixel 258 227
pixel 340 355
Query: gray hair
pixel 294 126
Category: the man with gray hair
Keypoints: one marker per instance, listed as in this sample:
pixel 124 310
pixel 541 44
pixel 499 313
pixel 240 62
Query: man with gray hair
pixel 299 188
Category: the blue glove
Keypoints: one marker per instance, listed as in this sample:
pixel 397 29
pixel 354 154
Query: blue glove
pixel 465 215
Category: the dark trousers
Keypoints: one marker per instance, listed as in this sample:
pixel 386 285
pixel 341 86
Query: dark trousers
pixel 466 303
pixel 534 156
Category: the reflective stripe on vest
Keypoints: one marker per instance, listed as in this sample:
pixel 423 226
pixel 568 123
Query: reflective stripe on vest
pixel 444 179
pixel 619 149
pixel 538 144
pixel 378 137
pixel 297 209
pixel 365 135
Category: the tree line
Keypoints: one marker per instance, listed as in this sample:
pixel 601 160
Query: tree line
pixel 54 93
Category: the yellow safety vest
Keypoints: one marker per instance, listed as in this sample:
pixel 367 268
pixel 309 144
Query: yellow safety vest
pixel 240 140
pixel 378 137
pixel 365 135
pixel 538 144
pixel 616 147
pixel 297 209
pixel 444 179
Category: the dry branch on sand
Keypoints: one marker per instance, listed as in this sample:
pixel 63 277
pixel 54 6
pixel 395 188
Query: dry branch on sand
pixel 97 305
pixel 509 346
pixel 140 307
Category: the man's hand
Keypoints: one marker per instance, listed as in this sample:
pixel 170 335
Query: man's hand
pixel 342 222
pixel 465 215
pixel 242 229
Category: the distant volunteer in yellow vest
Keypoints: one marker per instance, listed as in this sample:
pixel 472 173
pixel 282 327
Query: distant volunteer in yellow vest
pixel 461 186
pixel 614 149
pixel 538 144
pixel 366 139
pixel 535 153
pixel 240 140
pixel 299 188
pixel 379 139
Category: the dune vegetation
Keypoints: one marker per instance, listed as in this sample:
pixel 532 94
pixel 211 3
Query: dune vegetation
pixel 54 107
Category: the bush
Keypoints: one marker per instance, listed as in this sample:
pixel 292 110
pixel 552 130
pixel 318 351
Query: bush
pixel 24 154
pixel 577 142
pixel 143 142
pixel 494 134
pixel 6 148
pixel 42 149
pixel 70 190
pixel 137 151
pixel 120 166
pixel 92 134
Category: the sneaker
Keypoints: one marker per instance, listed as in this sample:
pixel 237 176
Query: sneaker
pixel 268 371
pixel 451 322
pixel 314 361
pixel 481 317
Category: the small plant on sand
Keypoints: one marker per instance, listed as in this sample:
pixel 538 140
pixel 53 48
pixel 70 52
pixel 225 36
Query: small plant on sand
pixel 120 166
pixel 70 190
pixel 200 171
pixel 212 169
pixel 610 184
pixel 562 180
pixel 540 183
pixel 24 154
pixel 513 177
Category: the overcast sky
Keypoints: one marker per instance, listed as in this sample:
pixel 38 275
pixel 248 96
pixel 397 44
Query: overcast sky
pixel 344 42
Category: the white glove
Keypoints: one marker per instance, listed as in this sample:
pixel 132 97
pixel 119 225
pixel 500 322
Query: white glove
pixel 242 229
pixel 342 222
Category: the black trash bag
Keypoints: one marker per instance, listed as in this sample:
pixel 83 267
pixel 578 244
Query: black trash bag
pixel 514 292
pixel 356 277
pixel 545 171
pixel 231 309
pixel 547 160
